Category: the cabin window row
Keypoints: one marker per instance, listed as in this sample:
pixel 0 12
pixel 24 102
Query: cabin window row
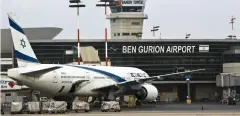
pixel 99 77
pixel 72 77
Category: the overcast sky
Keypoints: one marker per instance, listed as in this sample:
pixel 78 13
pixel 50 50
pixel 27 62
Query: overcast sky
pixel 208 19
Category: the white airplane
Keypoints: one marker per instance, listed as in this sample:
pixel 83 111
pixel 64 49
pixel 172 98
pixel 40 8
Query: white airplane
pixel 65 82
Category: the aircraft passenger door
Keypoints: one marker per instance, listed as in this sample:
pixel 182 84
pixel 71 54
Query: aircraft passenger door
pixel 88 76
pixel 55 80
pixel 128 77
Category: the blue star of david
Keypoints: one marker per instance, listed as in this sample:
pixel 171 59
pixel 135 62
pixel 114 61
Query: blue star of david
pixel 23 44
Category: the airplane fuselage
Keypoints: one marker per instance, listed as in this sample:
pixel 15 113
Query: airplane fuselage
pixel 62 81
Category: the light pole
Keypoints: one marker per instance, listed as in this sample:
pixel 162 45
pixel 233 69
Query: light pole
pixel 232 36
pixel 113 50
pixel 188 88
pixel 139 35
pixel 232 21
pixel 187 35
pixel 105 6
pixel 160 36
pixel 155 28
pixel 78 29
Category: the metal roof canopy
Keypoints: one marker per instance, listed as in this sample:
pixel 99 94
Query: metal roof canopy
pixel 137 40
pixel 39 34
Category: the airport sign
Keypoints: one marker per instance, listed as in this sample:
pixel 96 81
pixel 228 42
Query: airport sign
pixel 133 2
pixel 157 49
pixel 153 49
pixel 188 76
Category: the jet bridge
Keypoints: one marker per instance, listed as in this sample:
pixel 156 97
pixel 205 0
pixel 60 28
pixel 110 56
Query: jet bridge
pixel 89 56
pixel 228 83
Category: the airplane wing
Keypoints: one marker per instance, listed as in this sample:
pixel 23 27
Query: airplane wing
pixel 38 70
pixel 140 81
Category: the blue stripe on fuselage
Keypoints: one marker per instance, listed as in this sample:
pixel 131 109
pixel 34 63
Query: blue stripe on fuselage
pixel 25 57
pixel 115 77
pixel 15 26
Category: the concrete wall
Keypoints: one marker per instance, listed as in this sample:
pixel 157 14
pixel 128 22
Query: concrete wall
pixel 205 91
pixel 6 61
pixel 11 98
pixel 126 23
pixel 166 95
pixel 232 68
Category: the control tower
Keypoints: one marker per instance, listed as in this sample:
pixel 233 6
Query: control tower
pixel 126 19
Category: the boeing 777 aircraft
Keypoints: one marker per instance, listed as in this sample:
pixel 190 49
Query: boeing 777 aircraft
pixel 65 82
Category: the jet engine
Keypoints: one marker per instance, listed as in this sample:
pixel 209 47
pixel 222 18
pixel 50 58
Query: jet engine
pixel 147 92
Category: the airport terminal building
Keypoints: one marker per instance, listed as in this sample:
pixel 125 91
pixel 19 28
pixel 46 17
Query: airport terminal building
pixel 156 57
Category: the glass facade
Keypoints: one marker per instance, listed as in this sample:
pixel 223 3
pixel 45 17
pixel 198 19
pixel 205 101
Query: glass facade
pixel 154 57
pixel 127 9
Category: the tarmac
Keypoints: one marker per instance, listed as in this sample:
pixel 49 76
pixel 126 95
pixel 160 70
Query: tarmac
pixel 136 114
pixel 182 109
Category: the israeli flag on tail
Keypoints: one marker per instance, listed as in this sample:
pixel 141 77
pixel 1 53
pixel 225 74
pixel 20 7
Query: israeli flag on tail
pixel 23 51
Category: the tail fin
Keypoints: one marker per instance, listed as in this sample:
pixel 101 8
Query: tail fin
pixel 23 51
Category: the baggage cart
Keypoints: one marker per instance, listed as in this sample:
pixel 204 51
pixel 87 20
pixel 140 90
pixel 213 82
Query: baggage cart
pixel 33 107
pixel 60 106
pixel 80 106
pixel 110 106
pixel 54 107
pixel 16 107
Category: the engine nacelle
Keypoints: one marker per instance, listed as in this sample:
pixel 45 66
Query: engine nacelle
pixel 148 92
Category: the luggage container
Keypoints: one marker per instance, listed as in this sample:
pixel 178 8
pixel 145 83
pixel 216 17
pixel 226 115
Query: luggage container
pixel 16 107
pixel 54 107
pixel 45 107
pixel 80 106
pixel 110 106
pixel 33 107
pixel 60 106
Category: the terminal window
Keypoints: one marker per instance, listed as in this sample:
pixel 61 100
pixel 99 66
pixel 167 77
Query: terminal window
pixel 115 9
pixel 113 20
pixel 135 23
pixel 134 33
pixel 132 9
pixel 125 34
pixel 126 9
pixel 8 94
